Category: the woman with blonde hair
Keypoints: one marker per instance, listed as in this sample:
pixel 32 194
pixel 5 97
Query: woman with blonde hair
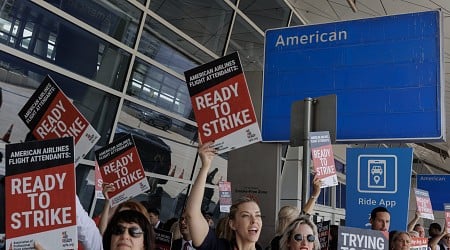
pixel 300 234
pixel 289 213
pixel 399 240
pixel 244 218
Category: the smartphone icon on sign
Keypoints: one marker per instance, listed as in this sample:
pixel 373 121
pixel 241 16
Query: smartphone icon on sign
pixel 376 173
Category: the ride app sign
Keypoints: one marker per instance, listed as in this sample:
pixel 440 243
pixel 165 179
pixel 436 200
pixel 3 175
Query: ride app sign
pixel 377 177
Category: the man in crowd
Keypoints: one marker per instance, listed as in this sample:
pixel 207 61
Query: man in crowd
pixel 414 226
pixel 154 218
pixel 380 219
pixel 185 243
pixel 434 231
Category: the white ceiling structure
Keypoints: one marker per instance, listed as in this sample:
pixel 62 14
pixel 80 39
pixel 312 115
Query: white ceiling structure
pixel 430 157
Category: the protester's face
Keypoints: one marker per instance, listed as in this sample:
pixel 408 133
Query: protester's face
pixel 381 221
pixel 183 225
pixel 446 240
pixel 402 242
pixel 420 230
pixel 153 218
pixel 302 238
pixel 127 236
pixel 247 222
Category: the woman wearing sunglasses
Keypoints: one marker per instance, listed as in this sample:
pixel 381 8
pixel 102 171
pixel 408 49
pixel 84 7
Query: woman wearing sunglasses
pixel 244 218
pixel 300 234
pixel 129 229
pixel 399 240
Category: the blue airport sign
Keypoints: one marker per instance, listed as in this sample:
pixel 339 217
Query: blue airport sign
pixel 387 73
pixel 378 177
pixel 437 186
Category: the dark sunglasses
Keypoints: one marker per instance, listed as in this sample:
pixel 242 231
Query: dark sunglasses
pixel 309 238
pixel 134 232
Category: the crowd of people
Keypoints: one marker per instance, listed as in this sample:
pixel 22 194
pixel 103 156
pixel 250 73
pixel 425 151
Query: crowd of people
pixel 132 224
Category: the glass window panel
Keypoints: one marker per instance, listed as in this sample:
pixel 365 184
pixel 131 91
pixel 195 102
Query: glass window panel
pixel 171 196
pixel 325 197
pixel 118 19
pixel 249 43
pixel 218 172
pixel 206 21
pixel 155 86
pixel 325 193
pixel 266 14
pixel 85 181
pixel 18 81
pixel 168 155
pixel 37 32
pixel 139 119
pixel 170 49
pixel 340 167
pixel 295 21
pixel 341 196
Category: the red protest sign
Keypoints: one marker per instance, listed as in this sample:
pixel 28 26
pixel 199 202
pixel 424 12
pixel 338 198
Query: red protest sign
pixel 41 175
pixel 98 183
pixel 418 243
pixel 447 216
pixel 424 204
pixel 121 166
pixel 222 104
pixel 323 158
pixel 49 114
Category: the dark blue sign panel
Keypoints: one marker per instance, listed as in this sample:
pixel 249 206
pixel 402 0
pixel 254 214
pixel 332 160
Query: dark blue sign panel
pixel 378 177
pixel 437 186
pixel 386 73
pixel 367 239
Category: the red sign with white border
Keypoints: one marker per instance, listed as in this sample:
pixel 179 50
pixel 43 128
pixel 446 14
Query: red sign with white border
pixel 222 104
pixel 424 204
pixel 120 165
pixel 323 158
pixel 49 114
pixel 41 175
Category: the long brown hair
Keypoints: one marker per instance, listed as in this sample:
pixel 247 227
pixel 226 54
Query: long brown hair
pixel 235 208
pixel 133 205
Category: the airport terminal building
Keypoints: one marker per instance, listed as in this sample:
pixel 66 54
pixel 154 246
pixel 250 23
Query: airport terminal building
pixel 122 64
